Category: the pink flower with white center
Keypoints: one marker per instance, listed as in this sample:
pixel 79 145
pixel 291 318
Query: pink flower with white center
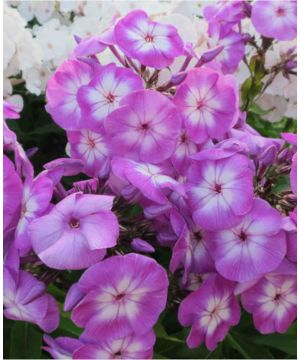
pixel 275 19
pixel 12 192
pixel 131 346
pixel 103 93
pixel 149 179
pixel 123 295
pixel 62 94
pixel 272 302
pixel 145 127
pixel 251 249
pixel 151 43
pixel 220 189
pixel 185 147
pixel 233 47
pixel 37 194
pixel 76 232
pixel 208 101
pixel 211 311
pixel 91 147
pixel 190 249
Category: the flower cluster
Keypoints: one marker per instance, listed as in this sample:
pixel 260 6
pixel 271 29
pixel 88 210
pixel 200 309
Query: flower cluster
pixel 169 161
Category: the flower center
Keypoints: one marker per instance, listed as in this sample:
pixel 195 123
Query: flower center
pixel 200 104
pixel 218 188
pixel 145 127
pixel 110 98
pixel 120 296
pixel 198 235
pixel 149 38
pixel 280 11
pixel 277 297
pixel 183 138
pixel 74 223
pixel 118 354
pixel 243 236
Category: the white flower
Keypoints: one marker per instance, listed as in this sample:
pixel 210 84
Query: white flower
pixel 36 79
pixel 55 41
pixel 276 105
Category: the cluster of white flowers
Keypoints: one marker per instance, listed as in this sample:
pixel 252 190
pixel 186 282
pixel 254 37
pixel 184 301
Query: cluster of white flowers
pixel 39 35
pixel 33 52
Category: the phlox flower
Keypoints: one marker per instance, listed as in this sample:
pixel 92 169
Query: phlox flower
pixel 251 249
pixel 233 44
pixel 11 111
pixel 62 347
pixel 209 103
pixel 190 249
pixel 24 299
pixel 220 189
pixel 124 295
pixel 61 93
pixel 92 148
pixel 130 346
pixel 76 232
pixel 37 194
pixel 145 127
pixel 12 192
pixel 151 43
pixel 275 19
pixel 211 311
pixel 102 95
pixel 272 302
pixel 149 179
pixel 225 12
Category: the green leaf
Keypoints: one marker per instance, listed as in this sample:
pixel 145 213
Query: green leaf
pixel 283 342
pixel 25 341
pixel 247 348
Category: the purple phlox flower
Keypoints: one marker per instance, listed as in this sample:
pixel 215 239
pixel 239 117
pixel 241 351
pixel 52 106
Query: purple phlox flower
pixel 108 85
pixel 289 225
pixel 190 250
pixel 62 347
pixel 86 186
pixel 124 294
pixel 227 13
pixel 11 111
pixel 208 101
pixel 120 186
pixel 89 46
pixel 152 209
pixel 9 138
pixel 73 297
pixel 286 267
pixel 76 232
pixel 131 346
pixel 211 311
pixel 25 300
pixel 254 247
pixel 255 143
pixel 146 127
pixel 272 302
pixel 92 148
pixel 151 43
pixel 60 167
pixel 141 245
pixel 37 194
pixel 293 174
pixel 12 192
pixel 220 190
pixel 62 93
pixel 275 19
pixel 149 179
pixel 184 148
pixel 290 138
pixel 233 46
